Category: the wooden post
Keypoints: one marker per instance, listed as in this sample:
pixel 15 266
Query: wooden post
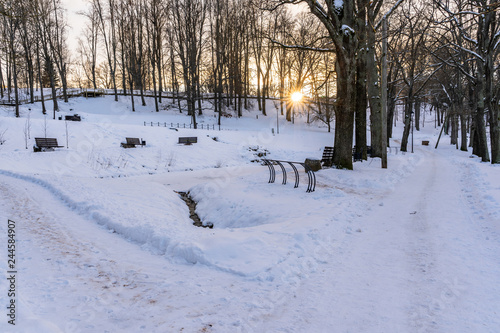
pixel 384 94
pixel 67 137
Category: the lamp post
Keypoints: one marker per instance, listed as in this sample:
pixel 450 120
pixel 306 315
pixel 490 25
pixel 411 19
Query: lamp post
pixel 277 121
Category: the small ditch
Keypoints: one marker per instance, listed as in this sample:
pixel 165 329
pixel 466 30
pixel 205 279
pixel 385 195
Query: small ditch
pixel 192 210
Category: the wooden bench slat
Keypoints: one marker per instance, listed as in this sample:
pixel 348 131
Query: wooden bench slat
pixel 46 142
pixel 327 158
pixel 43 143
pixel 187 140
pixel 74 117
pixel 132 142
pixel 327 154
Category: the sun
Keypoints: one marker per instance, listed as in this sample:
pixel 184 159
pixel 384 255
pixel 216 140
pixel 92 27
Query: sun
pixel 296 96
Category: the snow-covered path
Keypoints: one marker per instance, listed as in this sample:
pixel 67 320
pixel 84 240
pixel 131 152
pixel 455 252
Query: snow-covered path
pixel 75 276
pixel 419 261
pixel 425 258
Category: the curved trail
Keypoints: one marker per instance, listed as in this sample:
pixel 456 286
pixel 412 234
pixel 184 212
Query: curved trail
pixel 74 275
pixel 418 263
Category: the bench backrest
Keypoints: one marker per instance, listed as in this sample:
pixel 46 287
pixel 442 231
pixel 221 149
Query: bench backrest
pixel 188 139
pixel 133 141
pixel 46 142
pixel 327 153
pixel 74 117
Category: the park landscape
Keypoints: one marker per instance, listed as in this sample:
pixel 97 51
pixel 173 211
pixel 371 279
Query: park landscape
pixel 105 242
pixel 139 192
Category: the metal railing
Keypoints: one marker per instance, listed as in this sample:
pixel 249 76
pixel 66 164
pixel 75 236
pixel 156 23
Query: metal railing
pixel 311 186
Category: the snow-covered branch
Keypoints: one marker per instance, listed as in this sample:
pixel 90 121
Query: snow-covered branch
pixel 446 92
pixel 386 15
pixel 475 54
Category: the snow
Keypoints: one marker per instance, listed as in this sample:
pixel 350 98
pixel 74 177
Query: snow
pixel 347 30
pixel 105 244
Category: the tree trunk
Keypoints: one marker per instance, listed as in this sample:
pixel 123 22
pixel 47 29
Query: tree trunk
pixel 361 99
pixel 495 134
pixel 454 128
pixel 374 96
pixel 463 129
pixel 16 89
pixel 345 110
pixel 258 88
pixel 418 105
pixel 40 80
pixel 53 86
pixel 407 124
pixel 157 108
pixel 480 145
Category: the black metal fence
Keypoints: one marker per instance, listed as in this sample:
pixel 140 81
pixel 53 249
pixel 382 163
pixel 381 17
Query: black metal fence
pixel 178 125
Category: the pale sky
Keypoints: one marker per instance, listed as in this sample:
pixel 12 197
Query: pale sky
pixel 75 21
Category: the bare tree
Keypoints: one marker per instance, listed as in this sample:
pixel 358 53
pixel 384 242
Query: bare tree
pixel 189 23
pixel 415 61
pixel 107 27
pixel 340 20
pixel 474 31
pixel 12 24
pixel 88 46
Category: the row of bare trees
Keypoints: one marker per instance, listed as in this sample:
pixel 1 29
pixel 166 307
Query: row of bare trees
pixel 445 53
pixel 188 47
pixel 33 51
pixel 442 53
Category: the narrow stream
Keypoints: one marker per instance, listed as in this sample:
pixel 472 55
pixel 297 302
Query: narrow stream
pixel 192 210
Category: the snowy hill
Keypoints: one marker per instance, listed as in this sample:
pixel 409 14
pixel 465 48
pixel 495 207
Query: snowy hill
pixel 104 243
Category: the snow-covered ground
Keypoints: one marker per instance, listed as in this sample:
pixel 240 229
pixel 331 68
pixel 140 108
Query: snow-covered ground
pixel 105 244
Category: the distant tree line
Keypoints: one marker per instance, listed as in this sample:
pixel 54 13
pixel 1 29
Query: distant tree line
pixel 33 51
pixel 441 53
pixel 228 48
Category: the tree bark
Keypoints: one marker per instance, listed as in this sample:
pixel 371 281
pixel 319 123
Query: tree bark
pixel 361 98
pixel 374 96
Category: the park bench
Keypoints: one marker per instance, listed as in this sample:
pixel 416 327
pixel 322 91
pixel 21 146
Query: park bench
pixel 74 117
pixel 357 156
pixel 132 142
pixel 187 140
pixel 42 144
pixel 327 158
